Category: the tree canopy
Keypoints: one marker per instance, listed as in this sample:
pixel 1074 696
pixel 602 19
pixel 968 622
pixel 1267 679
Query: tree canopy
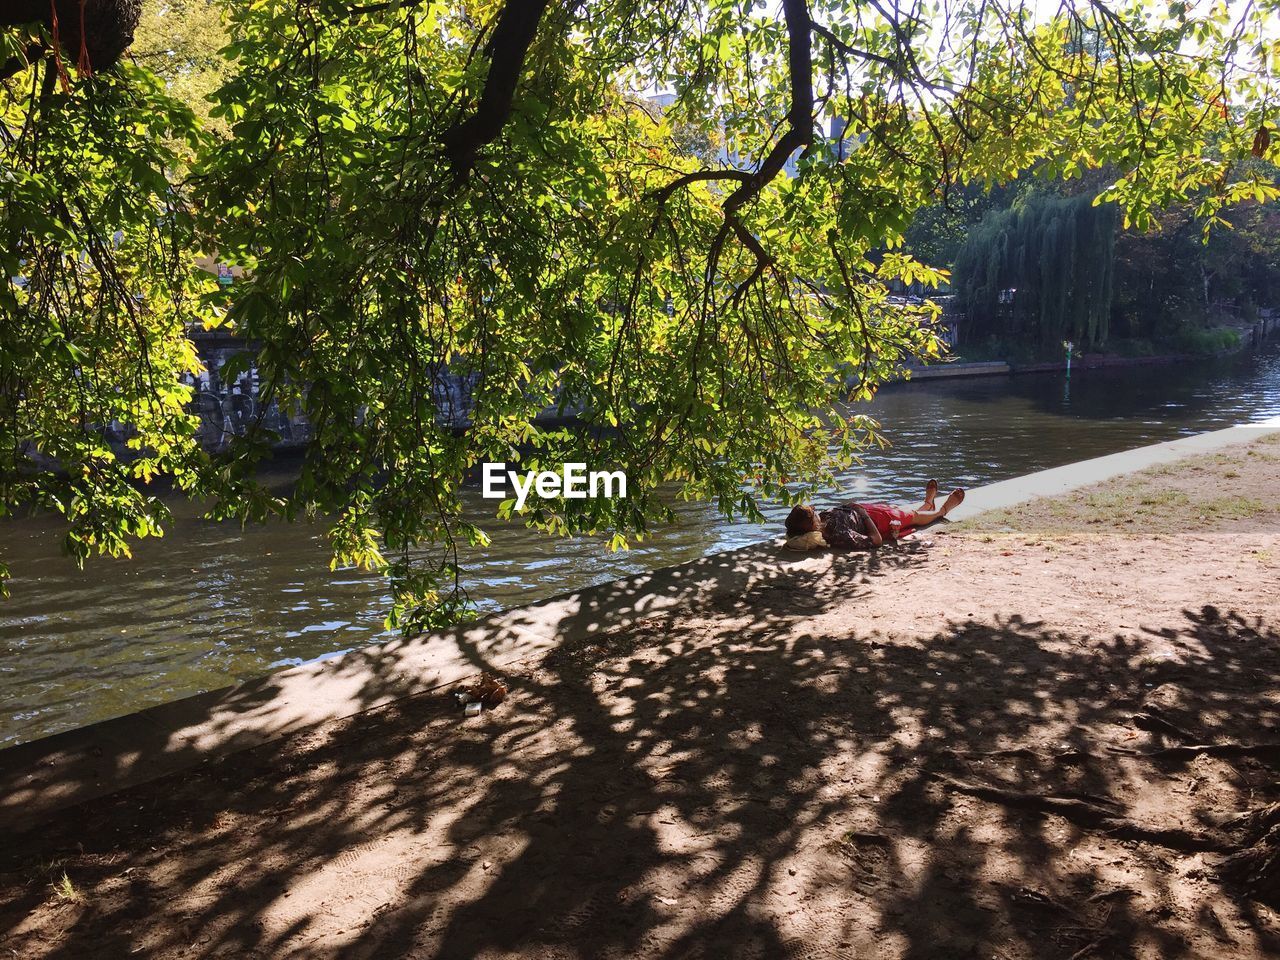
pixel 418 190
pixel 181 42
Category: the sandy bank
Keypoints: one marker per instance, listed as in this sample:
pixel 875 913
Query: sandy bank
pixel 925 752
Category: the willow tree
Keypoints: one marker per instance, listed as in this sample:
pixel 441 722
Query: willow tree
pixel 1041 272
pixel 479 187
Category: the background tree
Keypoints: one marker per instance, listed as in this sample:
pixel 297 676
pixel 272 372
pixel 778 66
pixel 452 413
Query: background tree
pixel 181 42
pixel 472 187
pixel 1040 272
pixel 938 231
pixel 1049 268
pixel 1172 284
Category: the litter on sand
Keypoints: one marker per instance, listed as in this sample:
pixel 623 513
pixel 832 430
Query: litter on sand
pixel 485 694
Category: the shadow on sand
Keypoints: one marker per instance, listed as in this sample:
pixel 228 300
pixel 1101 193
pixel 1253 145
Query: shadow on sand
pixel 761 789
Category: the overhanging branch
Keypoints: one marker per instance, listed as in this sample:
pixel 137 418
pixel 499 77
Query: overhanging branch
pixel 800 113
pixel 663 193
pixel 507 51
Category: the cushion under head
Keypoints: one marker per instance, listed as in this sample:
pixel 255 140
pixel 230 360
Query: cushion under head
pixel 806 541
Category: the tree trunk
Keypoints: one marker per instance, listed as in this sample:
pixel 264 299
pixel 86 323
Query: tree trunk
pixel 91 34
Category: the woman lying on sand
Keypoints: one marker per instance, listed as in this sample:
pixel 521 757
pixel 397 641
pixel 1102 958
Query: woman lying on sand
pixel 864 525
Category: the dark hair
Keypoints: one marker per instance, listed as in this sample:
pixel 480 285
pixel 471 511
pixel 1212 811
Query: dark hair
pixel 801 520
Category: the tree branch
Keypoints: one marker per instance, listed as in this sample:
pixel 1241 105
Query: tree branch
pixel 663 193
pixel 799 115
pixel 107 32
pixel 507 50
pixel 846 50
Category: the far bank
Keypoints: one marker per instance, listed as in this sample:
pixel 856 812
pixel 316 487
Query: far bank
pixel 1250 336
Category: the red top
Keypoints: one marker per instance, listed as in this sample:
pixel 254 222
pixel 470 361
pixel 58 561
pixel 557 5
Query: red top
pixel 881 514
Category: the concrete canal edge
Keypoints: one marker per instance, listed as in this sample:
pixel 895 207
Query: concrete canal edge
pixel 992 368
pixel 41 777
pixel 949 371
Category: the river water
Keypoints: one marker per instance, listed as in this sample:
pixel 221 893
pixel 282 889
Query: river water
pixel 211 603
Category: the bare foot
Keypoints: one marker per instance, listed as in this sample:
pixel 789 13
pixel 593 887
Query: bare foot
pixel 930 491
pixel 953 501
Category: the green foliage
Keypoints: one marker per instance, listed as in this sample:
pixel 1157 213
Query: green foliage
pixel 1205 342
pixel 403 215
pixel 1172 278
pixel 998 348
pixel 180 41
pixel 1131 347
pixel 939 230
pixel 1134 292
pixel 98 243
pixel 1041 272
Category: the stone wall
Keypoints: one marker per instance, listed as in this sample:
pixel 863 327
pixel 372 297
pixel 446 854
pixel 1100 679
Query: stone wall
pixel 228 405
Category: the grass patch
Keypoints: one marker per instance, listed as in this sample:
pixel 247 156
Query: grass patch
pixel 65 890
pixel 1189 494
pixel 1130 498
pixel 1162 498
pixel 1232 508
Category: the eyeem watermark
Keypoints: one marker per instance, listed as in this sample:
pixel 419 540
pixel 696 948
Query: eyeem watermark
pixel 573 482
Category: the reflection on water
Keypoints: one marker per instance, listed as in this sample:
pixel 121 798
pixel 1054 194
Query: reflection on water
pixel 211 603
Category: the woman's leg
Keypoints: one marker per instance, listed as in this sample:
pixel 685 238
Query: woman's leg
pixel 930 491
pixel 923 518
